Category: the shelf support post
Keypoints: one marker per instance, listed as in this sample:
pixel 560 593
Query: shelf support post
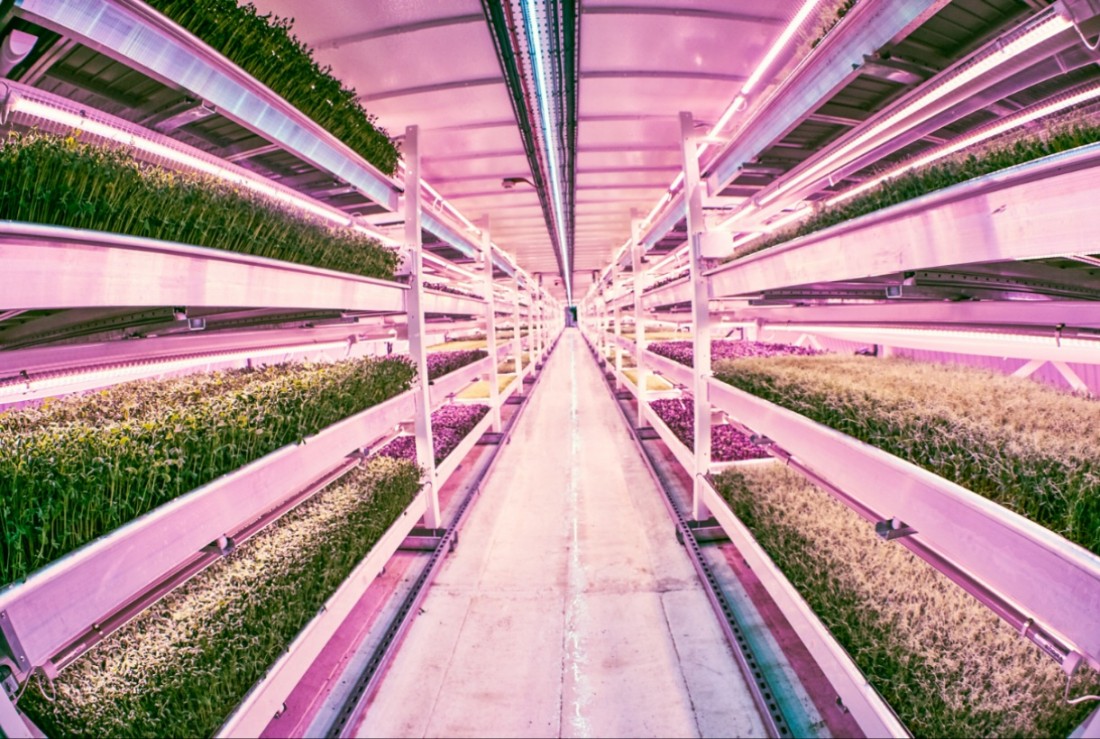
pixel 11 721
pixel 517 337
pixel 491 329
pixel 422 420
pixel 700 310
pixel 618 314
pixel 636 248
pixel 540 319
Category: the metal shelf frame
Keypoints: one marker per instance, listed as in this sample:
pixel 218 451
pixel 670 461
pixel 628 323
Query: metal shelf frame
pixel 869 709
pixel 1029 211
pixel 45 616
pixel 835 63
pixel 93 268
pixel 134 34
pixel 1044 585
pixel 1054 583
pixel 266 698
pixel 48 617
pixel 1034 579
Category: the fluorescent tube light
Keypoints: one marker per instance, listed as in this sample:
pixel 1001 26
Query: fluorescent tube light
pixel 530 16
pixel 1016 120
pixel 778 46
pixel 1032 37
pixel 32 103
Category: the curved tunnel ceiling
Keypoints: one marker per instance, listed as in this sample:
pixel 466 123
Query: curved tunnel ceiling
pixel 442 65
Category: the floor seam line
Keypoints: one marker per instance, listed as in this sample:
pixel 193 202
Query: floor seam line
pixel 680 666
pixel 450 662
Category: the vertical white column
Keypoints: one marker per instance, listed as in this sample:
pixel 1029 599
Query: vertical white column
pixel 618 315
pixel 700 309
pixel 491 329
pixel 601 326
pixel 605 321
pixel 540 321
pixel 11 721
pixel 517 339
pixel 422 420
pixel 639 324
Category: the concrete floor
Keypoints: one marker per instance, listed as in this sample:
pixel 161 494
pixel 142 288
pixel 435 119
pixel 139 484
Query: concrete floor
pixel 568 608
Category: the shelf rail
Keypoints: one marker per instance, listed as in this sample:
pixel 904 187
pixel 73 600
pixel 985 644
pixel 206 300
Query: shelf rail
pixel 1045 586
pixel 1024 212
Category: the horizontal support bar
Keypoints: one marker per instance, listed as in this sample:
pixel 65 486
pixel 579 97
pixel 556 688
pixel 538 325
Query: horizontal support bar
pixel 441 303
pixel 49 267
pixel 670 294
pixel 1024 212
pixel 95 355
pixel 985 344
pixel 443 388
pixel 974 314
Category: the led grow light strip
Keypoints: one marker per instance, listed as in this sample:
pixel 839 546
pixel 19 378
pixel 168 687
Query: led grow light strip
pixel 441 263
pixel 739 102
pixel 1043 31
pixel 13 391
pixel 993 338
pixel 454 211
pixel 34 103
pixel 1013 121
pixel 532 29
pixel 780 43
pixel 18 101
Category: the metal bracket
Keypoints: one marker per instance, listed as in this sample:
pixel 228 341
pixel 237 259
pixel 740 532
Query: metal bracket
pixel 707 531
pixel 893 528
pixel 490 438
pixel 13 651
pixel 426 540
pixel 223 545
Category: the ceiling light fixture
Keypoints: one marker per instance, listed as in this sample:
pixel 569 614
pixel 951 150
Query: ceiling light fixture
pixel 549 131
pixel 509 183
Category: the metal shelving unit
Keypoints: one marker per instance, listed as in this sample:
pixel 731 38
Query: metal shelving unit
pixel 999 266
pixel 106 286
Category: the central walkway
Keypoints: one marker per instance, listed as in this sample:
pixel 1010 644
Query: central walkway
pixel 568 608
